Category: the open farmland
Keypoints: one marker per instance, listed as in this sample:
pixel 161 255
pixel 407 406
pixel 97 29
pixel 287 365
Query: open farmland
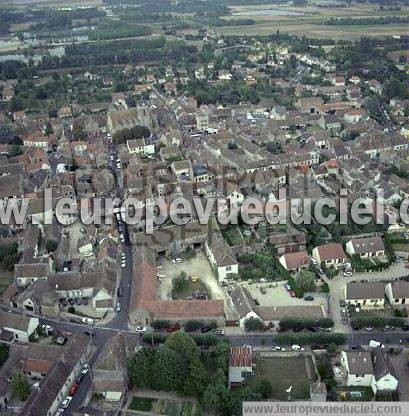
pixel 310 21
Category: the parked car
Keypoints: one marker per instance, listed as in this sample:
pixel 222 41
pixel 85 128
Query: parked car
pixel 61 340
pixel 405 328
pixel 80 378
pixel 347 273
pixel 218 331
pixel 309 298
pixel 59 411
pixel 73 389
pixel 205 329
pixel 71 301
pixel 47 329
pixel 123 264
pixel 120 291
pixel 63 301
pixel 85 369
pixel 388 328
pixel 89 321
pixel 177 260
pixel 292 293
pixel 296 347
pixel 66 402
pixel 118 307
pixel 173 328
pixel 287 287
pixel 85 301
pixel 342 303
pixel 278 348
pixel 369 328
pixel 78 301
pixel 141 329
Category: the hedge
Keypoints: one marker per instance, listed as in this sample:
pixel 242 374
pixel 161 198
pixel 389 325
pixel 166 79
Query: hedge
pixel 307 339
pixel 359 323
pixel 290 323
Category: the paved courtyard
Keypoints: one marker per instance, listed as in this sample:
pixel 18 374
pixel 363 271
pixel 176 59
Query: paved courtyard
pixel 198 266
pixel 278 296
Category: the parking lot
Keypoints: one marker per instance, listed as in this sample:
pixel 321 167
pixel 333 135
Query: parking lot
pixel 278 296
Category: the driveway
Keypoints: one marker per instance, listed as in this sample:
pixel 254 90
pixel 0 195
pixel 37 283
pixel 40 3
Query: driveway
pixel 337 288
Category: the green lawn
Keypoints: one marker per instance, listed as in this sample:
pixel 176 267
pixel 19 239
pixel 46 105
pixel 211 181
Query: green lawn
pixel 233 236
pixel 283 372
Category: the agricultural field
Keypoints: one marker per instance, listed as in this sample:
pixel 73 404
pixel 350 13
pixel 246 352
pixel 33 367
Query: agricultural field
pixel 310 21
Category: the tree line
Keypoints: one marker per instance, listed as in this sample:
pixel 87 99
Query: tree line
pixel 384 20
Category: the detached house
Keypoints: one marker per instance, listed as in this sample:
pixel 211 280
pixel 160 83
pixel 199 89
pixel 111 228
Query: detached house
pixel 366 247
pixel 330 254
pixel 370 369
pixel 295 261
pixel 369 295
pixel 398 292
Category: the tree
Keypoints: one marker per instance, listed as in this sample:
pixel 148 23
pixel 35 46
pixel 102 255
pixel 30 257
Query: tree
pixel 51 246
pixel 4 353
pixel 20 386
pixel 264 388
pixel 140 368
pixel 48 129
pixel 183 344
pixel 168 371
pixel 180 283
pixel 253 324
pixel 193 325
pixel 196 379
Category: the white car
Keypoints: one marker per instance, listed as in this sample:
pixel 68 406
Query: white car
pixel 59 411
pixel 177 260
pixel 278 348
pixel 118 307
pixel 85 369
pixel 123 265
pixel 141 329
pixel 87 321
pixel 66 402
pixel 218 331
pixel 347 273
pixel 122 238
pixel 47 328
pixel 123 256
pixel 296 347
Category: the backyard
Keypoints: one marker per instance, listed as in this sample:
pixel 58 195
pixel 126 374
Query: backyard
pixel 273 369
pixel 185 287
pixel 163 406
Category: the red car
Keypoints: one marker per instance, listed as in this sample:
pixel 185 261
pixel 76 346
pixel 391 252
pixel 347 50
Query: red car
pixel 173 328
pixel 73 389
pixel 292 293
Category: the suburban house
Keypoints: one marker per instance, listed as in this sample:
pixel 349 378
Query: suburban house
pixel 398 292
pixel 358 366
pixel 366 247
pixel 295 261
pixel 240 363
pixel 221 256
pixel 370 369
pixel 331 254
pixel 369 295
pixel 16 327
